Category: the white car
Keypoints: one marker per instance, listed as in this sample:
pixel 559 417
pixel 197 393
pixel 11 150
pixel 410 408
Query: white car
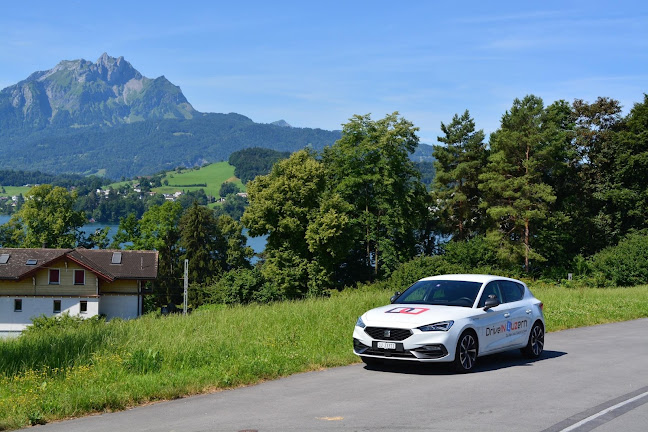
pixel 452 318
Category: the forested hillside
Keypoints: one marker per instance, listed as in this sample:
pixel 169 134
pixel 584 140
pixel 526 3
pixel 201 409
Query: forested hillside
pixel 151 146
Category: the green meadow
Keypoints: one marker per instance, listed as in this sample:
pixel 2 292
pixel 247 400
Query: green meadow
pixel 14 190
pixel 212 175
pixel 97 367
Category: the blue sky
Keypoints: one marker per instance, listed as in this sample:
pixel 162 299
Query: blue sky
pixel 315 64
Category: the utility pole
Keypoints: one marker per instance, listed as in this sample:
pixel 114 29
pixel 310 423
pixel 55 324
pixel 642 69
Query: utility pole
pixel 186 286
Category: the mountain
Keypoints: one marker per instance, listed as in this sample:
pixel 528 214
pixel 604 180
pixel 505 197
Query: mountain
pixel 80 93
pixel 106 118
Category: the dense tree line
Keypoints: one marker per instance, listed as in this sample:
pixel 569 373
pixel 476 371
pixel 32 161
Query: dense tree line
pixel 254 161
pixel 554 189
pixel 20 178
pixel 555 182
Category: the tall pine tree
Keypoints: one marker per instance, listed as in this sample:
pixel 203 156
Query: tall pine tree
pixel 516 195
pixel 459 163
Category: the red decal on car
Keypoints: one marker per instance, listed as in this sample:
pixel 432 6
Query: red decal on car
pixel 407 310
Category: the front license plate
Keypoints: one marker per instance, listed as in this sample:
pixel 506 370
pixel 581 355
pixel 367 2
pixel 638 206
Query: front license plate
pixel 386 345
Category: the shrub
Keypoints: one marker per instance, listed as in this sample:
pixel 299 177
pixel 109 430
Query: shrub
pixel 476 252
pixel 60 322
pixel 625 264
pixel 239 286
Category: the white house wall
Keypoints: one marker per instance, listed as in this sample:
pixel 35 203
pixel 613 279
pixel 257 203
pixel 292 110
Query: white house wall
pixel 120 306
pixel 32 307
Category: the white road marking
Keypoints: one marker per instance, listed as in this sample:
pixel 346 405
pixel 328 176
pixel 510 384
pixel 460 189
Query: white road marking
pixel 605 411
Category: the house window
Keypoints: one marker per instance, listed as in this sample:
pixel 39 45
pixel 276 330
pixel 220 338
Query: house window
pixel 54 276
pixel 57 306
pixel 83 306
pixel 79 277
pixel 17 305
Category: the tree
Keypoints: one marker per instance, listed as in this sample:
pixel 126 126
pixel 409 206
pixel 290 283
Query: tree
pixel 369 168
pixel 559 235
pixel 455 189
pixel 595 151
pixel 235 252
pixel 98 239
pixel 233 206
pixel 47 219
pixel 198 239
pixel 624 191
pixel 127 232
pixel 212 245
pixel 516 195
pixel 282 204
pixel 228 188
pixel 158 230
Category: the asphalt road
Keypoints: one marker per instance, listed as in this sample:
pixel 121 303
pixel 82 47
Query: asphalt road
pixel 588 378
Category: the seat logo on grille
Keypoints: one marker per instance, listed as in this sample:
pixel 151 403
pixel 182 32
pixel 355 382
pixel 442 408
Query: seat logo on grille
pixel 387 333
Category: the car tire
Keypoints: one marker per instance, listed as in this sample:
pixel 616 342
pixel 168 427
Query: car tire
pixel 535 346
pixel 466 353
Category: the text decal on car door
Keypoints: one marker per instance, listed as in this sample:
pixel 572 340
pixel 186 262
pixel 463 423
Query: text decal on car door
pixel 407 310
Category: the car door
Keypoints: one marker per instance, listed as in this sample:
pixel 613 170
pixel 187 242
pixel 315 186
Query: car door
pixel 493 323
pixel 519 321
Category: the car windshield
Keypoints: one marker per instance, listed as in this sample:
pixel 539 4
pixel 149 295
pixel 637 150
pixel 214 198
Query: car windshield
pixel 441 292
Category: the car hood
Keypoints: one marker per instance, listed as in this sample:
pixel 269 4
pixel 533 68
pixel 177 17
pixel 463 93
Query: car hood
pixel 414 315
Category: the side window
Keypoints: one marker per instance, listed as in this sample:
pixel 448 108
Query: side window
pixel 490 289
pixel 17 305
pixel 511 291
pixel 56 306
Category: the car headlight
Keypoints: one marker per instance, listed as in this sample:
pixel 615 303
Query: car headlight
pixel 360 323
pixel 440 326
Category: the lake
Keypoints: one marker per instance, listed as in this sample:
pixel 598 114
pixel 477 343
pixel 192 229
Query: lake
pixel 256 243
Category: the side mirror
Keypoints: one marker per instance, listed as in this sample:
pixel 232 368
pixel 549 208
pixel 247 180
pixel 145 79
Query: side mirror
pixel 491 303
pixel 394 297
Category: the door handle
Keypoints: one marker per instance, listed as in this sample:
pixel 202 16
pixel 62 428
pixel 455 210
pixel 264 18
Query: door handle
pixel 529 311
pixel 506 315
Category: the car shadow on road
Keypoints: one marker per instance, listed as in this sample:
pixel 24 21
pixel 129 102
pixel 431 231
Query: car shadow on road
pixel 484 364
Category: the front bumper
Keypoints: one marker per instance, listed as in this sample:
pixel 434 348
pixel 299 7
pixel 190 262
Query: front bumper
pixel 436 346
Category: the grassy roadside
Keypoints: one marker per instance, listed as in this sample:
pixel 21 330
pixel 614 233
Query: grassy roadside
pixel 104 367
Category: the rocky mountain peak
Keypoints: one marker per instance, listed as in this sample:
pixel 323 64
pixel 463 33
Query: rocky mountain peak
pixel 81 93
pixel 116 70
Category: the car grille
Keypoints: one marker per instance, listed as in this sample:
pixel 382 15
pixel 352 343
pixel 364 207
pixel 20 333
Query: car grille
pixel 395 334
pixel 388 354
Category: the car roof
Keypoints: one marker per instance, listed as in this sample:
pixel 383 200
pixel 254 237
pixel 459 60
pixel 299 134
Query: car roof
pixel 470 278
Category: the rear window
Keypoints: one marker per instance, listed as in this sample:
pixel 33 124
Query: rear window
pixel 441 292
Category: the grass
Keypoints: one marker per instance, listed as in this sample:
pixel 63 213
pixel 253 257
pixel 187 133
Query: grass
pixel 213 175
pixel 15 190
pixel 110 366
